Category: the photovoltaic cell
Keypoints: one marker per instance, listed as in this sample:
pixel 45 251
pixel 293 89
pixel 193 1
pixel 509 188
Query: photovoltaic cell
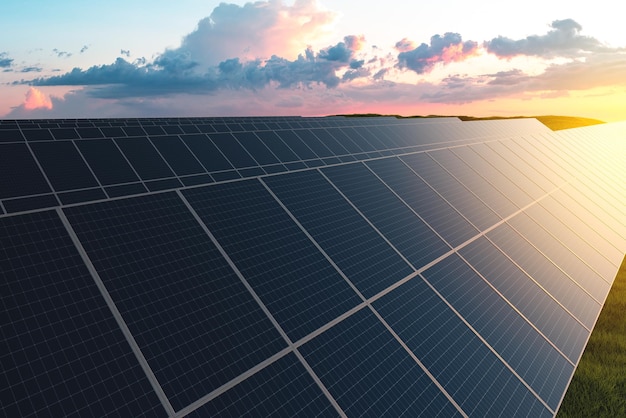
pixel 482 187
pixel 207 278
pixel 401 226
pixel 369 373
pixel 544 312
pixel 544 272
pixel 177 155
pixel 536 361
pixel 435 211
pixel 463 200
pixel 63 165
pixel 229 146
pixel 256 148
pixel 191 316
pixel 560 255
pixel 283 388
pixel 206 152
pixel 19 172
pixel 62 352
pixel 475 378
pixel 106 161
pixel 293 279
pixel 277 146
pixel 144 158
pixel 357 249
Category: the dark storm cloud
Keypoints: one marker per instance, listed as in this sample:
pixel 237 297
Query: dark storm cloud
pixel 442 49
pixel 564 40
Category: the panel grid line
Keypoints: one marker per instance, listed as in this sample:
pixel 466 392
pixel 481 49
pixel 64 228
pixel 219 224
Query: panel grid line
pixel 366 302
pixel 262 306
pixel 117 315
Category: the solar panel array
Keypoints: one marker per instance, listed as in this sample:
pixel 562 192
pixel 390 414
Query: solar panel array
pixel 302 266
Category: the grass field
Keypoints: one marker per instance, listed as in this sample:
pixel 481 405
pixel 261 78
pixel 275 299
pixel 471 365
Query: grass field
pixel 598 388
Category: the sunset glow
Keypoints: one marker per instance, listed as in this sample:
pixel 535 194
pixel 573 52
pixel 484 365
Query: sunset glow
pixel 303 57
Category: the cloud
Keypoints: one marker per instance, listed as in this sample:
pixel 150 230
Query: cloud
pixel 5 61
pixel 564 40
pixel 36 99
pixel 125 52
pixel 31 69
pixel 176 72
pixel 255 31
pixel 62 54
pixel 442 49
pixel 84 48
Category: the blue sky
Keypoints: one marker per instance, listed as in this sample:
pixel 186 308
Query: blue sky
pixel 202 58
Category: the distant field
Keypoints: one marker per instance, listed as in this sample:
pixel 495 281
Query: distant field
pixel 553 122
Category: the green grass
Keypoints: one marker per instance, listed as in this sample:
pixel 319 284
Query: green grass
pixel 598 388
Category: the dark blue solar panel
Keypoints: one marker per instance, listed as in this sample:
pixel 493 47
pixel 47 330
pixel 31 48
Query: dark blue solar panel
pixel 513 173
pixel 30 203
pixel 294 142
pixel 193 319
pixel 470 206
pixel 62 352
pixel 565 215
pixel 256 148
pixel 134 131
pixel 277 146
pixel 559 254
pixel 442 217
pixel 314 143
pixel 235 153
pixel 37 134
pixel 78 196
pixel 346 141
pixel 545 369
pixel 396 221
pixel 549 276
pixel 180 159
pixel 475 378
pixel 330 142
pixel 369 373
pixel 480 186
pixel 125 189
pixel 19 172
pixel 359 251
pixel 63 165
pixel 106 161
pixel 497 177
pixel 144 158
pixel 206 152
pixel 89 132
pixel 544 312
pixel 64 133
pixel 164 184
pixel 284 388
pixel 11 135
pixel 296 283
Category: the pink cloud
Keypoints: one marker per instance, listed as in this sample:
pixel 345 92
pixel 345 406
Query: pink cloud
pixel 255 31
pixel 36 99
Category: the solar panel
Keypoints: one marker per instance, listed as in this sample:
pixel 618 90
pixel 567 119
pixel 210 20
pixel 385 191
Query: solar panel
pixel 302 266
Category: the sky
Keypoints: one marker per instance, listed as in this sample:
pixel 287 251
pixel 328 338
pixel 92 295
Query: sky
pixel 154 58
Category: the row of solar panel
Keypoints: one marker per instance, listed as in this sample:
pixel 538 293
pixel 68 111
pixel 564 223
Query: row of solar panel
pixel 168 300
pixel 10 133
pixel 125 166
pixel 90 128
